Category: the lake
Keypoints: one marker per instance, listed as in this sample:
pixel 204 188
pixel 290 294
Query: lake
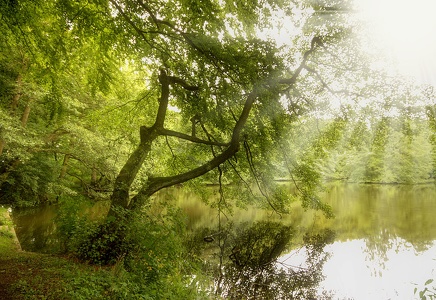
pixel 385 240
pixel 384 245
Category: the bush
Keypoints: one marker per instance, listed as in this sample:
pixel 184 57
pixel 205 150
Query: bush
pixel 146 253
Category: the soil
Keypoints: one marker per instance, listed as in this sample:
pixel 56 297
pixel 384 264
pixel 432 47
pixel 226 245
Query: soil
pixel 26 275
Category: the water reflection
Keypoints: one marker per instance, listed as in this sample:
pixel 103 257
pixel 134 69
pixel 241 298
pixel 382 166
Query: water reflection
pixel 385 235
pixel 354 273
pixel 35 228
pixel 249 267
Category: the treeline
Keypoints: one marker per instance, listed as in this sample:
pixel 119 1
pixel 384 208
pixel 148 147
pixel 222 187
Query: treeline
pixel 389 149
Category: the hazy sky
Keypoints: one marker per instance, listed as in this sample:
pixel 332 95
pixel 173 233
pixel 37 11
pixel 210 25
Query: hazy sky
pixel 406 30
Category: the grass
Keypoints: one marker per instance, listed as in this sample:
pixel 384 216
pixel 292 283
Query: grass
pixel 26 275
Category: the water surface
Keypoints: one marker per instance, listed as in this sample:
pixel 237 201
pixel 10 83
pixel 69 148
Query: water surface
pixel 385 235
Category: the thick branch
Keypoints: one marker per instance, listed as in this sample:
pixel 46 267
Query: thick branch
pixel 190 138
pixel 163 101
pixel 165 82
pixel 184 84
pixel 157 183
pixel 124 180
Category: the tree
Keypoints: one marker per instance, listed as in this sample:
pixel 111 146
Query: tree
pixel 248 72
pixel 228 89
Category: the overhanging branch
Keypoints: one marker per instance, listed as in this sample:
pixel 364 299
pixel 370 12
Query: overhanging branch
pixel 316 41
pixel 190 138
pixel 157 183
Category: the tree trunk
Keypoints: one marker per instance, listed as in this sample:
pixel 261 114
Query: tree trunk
pixel 2 145
pixel 120 196
pixel 26 114
pixel 17 95
pixel 64 166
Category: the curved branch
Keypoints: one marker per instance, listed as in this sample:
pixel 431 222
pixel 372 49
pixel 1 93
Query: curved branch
pixel 184 84
pixel 157 183
pixel 316 41
pixel 190 138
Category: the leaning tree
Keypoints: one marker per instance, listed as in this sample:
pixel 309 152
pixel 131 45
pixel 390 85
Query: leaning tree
pixel 219 94
pixel 230 88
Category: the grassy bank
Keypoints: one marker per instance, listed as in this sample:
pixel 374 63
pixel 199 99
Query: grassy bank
pixel 26 275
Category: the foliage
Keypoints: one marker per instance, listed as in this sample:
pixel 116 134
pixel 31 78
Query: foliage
pixel 5 228
pixel 116 100
pixel 72 225
pixel 149 257
pixel 394 153
pixel 426 293
pixel 29 184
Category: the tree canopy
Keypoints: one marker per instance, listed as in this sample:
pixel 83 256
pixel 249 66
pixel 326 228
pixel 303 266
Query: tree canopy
pixel 116 100
pixel 120 99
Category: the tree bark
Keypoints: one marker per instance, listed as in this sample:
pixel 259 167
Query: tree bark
pixel 155 184
pixel 17 95
pixel 26 114
pixel 64 166
pixel 120 196
pixel 123 182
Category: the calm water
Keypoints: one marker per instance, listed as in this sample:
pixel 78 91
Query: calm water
pixel 385 236
pixel 386 240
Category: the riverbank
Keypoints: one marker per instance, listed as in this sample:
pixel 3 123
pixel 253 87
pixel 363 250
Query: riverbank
pixel 28 275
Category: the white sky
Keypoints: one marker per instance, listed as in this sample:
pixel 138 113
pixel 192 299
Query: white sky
pixel 406 30
pixel 402 30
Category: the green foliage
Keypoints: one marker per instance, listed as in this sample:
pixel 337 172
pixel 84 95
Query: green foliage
pixel 428 292
pixel 5 227
pixel 28 184
pixel 147 253
pixel 159 255
pixel 73 225
pixel 390 149
pixel 104 243
pixel 89 74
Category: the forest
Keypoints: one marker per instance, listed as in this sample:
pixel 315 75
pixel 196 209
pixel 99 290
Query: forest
pixel 117 101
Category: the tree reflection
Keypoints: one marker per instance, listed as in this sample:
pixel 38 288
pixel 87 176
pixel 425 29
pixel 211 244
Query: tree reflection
pixel 35 229
pixel 251 270
pixel 379 246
